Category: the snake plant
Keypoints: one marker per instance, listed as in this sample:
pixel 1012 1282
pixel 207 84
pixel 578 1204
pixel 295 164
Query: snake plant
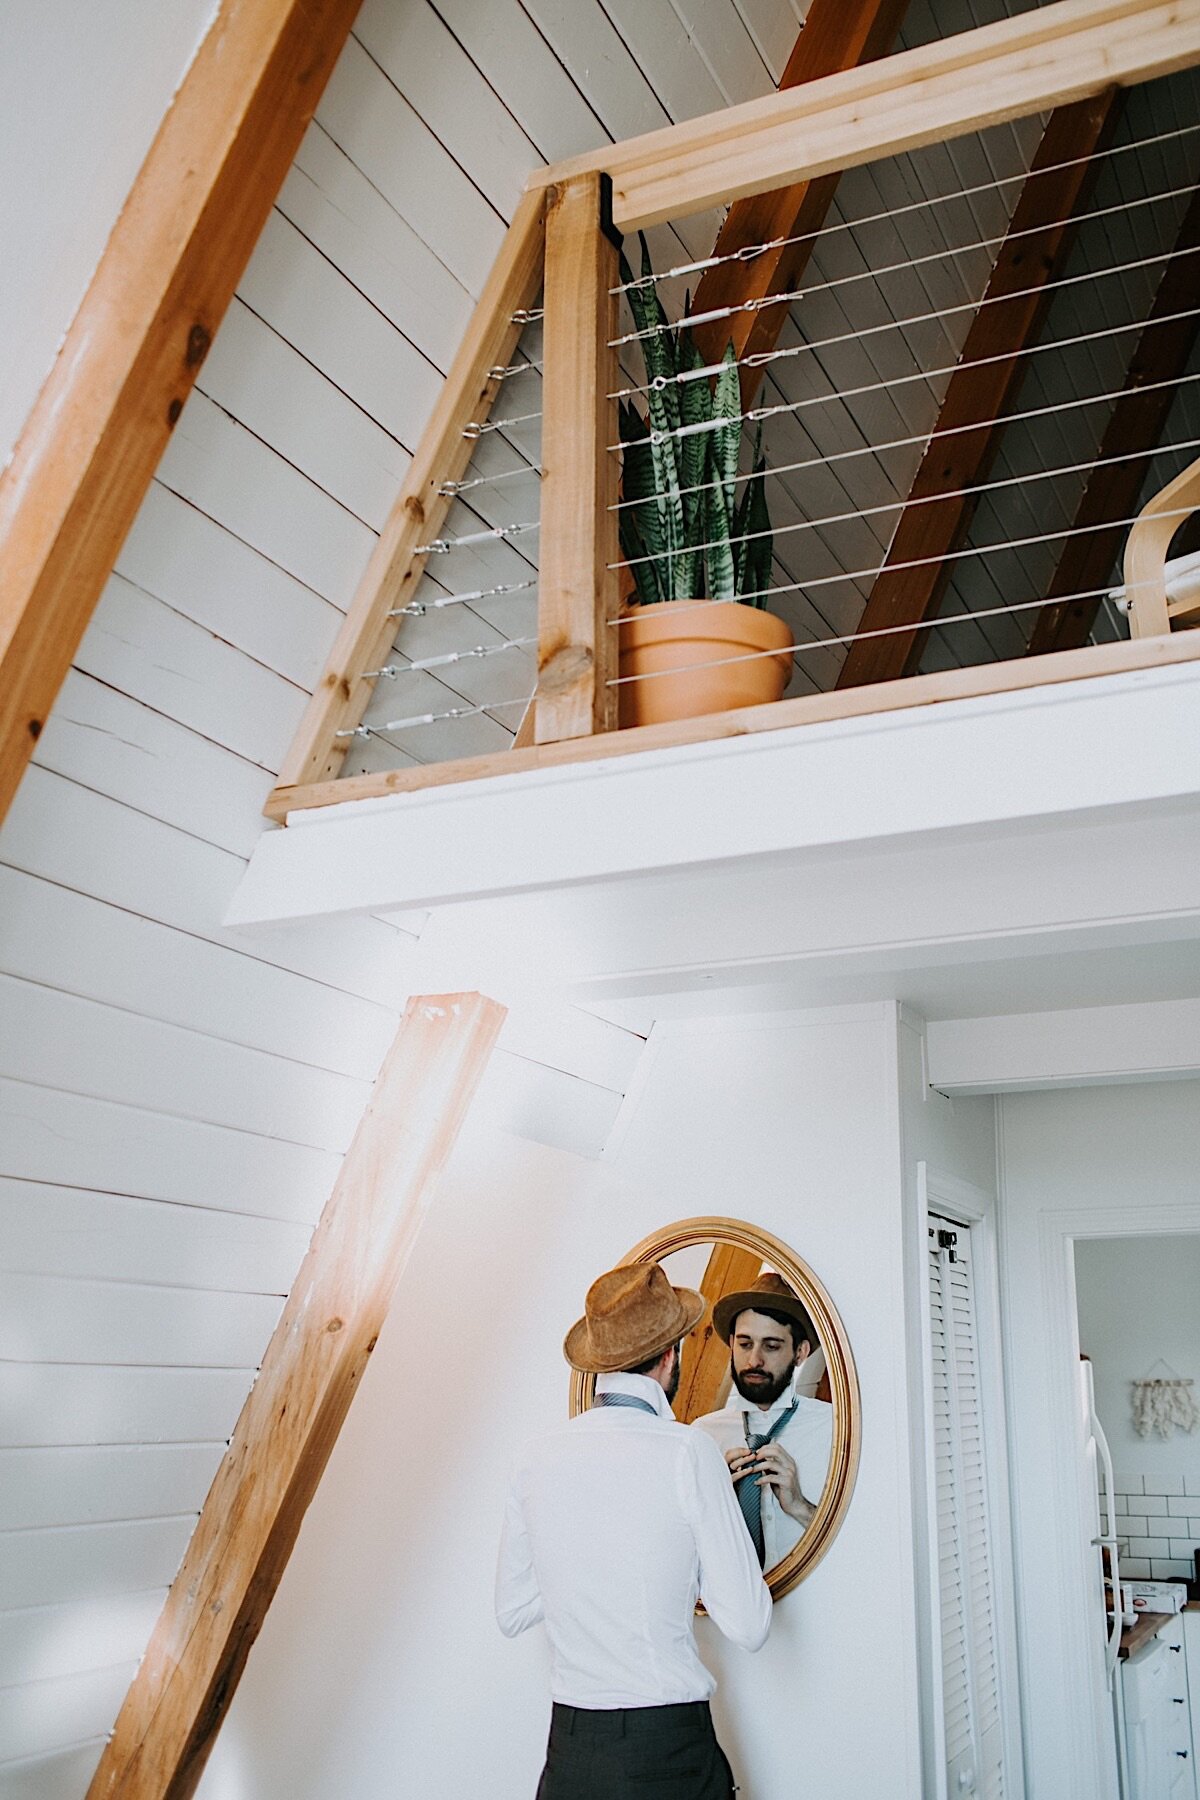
pixel 685 531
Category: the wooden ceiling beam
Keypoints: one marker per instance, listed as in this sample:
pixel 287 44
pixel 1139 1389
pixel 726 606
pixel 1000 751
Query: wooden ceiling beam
pixel 704 1360
pixel 836 35
pixel 1135 424
pixel 292 1416
pixel 168 272
pixel 967 434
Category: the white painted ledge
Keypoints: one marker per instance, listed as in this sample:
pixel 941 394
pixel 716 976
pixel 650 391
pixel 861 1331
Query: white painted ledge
pixel 1059 753
pixel 1085 1047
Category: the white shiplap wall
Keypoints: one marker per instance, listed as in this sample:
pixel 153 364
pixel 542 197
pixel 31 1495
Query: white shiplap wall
pixel 70 150
pixel 175 1097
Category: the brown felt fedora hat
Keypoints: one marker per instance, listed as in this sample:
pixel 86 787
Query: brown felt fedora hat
pixel 770 1293
pixel 631 1314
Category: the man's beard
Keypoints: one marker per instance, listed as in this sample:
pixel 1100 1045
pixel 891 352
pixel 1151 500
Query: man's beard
pixel 671 1387
pixel 758 1386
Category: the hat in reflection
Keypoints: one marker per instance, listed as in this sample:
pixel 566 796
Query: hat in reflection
pixel 770 1293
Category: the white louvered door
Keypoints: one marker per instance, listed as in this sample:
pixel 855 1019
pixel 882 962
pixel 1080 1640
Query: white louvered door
pixel 965 1599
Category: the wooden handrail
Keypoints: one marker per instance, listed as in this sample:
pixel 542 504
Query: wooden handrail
pixel 1151 611
pixel 1041 59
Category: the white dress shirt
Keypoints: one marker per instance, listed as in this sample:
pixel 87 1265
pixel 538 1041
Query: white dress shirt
pixel 808 1439
pixel 616 1521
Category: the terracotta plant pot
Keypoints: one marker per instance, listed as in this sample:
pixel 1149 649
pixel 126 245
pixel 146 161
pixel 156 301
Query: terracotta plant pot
pixel 694 641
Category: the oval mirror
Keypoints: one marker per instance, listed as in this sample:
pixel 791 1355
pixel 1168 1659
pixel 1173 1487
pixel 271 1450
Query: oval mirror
pixel 786 1369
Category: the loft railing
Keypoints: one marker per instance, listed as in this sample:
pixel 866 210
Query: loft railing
pixel 559 268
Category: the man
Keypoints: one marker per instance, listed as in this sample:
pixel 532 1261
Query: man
pixel 616 1522
pixel 776 1442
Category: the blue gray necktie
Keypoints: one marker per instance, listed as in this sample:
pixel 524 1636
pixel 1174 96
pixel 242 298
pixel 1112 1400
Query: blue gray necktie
pixel 625 1400
pixel 749 1494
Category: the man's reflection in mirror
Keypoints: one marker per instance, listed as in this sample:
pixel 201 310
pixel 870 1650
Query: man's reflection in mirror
pixel 776 1440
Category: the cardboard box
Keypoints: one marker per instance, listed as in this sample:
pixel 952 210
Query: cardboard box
pixel 1158 1596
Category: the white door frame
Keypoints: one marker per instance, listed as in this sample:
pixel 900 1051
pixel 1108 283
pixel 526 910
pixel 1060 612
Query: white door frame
pixel 973 1208
pixel 1058 1231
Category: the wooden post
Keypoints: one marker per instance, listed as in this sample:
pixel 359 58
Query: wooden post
pixel 1163 352
pixel 168 272
pixel 290 1422
pixel 970 422
pixel 578 587
pixel 705 1359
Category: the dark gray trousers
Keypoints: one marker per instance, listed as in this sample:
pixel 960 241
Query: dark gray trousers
pixel 635 1753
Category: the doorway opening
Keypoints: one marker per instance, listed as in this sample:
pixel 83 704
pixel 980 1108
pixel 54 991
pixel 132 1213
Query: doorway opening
pixel 1139 1337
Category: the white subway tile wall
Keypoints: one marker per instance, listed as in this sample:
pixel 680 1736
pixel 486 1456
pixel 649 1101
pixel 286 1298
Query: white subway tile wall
pixel 1158 1523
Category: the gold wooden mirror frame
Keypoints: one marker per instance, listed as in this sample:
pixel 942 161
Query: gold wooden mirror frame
pixel 739 1236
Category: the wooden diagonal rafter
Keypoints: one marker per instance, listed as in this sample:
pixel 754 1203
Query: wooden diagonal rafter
pixel 168 272
pixel 1135 425
pixel 836 35
pixel 291 1419
pixel 967 435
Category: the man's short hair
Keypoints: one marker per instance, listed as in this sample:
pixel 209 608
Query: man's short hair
pixel 800 1328
pixel 651 1362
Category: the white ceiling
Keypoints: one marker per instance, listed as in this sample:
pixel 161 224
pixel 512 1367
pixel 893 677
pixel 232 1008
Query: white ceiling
pixel 1057 981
